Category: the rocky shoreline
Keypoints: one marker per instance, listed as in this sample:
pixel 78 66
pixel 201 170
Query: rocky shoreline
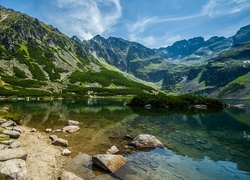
pixel 27 154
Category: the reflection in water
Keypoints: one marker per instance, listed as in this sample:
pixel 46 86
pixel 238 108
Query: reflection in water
pixel 207 146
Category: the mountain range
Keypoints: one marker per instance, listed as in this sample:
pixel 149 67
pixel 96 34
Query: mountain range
pixel 38 60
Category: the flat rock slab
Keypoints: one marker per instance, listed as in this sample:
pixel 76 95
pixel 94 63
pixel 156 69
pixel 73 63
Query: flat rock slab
pixel 12 134
pixel 14 169
pixel 109 162
pixel 15 144
pixel 8 123
pixel 146 141
pixel 69 176
pixel 8 154
pixel 71 129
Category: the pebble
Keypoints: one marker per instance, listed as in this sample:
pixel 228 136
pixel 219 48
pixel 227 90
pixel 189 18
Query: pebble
pixel 33 130
pixel 66 152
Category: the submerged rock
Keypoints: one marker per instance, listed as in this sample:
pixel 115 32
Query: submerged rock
pixel 60 142
pixel 48 130
pixel 71 122
pixel 14 169
pixel 71 129
pixel 69 176
pixel 112 150
pixel 109 162
pixel 146 141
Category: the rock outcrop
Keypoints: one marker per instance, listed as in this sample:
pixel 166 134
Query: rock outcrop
pixel 146 141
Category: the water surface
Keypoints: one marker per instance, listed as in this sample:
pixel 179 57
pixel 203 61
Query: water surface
pixel 199 145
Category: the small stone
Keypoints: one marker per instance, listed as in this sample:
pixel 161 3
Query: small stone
pixel 53 137
pixel 71 122
pixel 57 130
pixel 69 176
pixel 66 152
pixel 60 142
pixel 15 144
pixel 8 124
pixel 18 129
pixel 12 134
pixel 71 129
pixel 112 150
pixel 48 130
pixel 33 130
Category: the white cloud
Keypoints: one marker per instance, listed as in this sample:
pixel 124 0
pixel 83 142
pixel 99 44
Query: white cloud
pixel 86 18
pixel 211 9
pixel 224 7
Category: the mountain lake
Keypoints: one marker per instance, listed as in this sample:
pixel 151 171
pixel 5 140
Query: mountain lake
pixel 198 145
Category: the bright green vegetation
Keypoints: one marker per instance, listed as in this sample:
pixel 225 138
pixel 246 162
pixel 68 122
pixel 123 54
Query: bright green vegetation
pixel 106 78
pixel 19 73
pixel 22 83
pixel 169 101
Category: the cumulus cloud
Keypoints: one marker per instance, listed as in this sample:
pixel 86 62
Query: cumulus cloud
pixel 86 18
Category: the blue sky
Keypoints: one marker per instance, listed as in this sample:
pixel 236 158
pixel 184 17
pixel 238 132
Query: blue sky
pixel 153 23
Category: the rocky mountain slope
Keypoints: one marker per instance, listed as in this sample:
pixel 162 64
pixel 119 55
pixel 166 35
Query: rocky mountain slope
pixel 209 75
pixel 197 49
pixel 38 60
pixel 130 57
pixel 226 76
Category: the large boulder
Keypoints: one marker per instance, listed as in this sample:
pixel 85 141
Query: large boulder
pixel 146 141
pixel 8 154
pixel 71 129
pixel 12 134
pixel 14 169
pixel 69 176
pixel 109 162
